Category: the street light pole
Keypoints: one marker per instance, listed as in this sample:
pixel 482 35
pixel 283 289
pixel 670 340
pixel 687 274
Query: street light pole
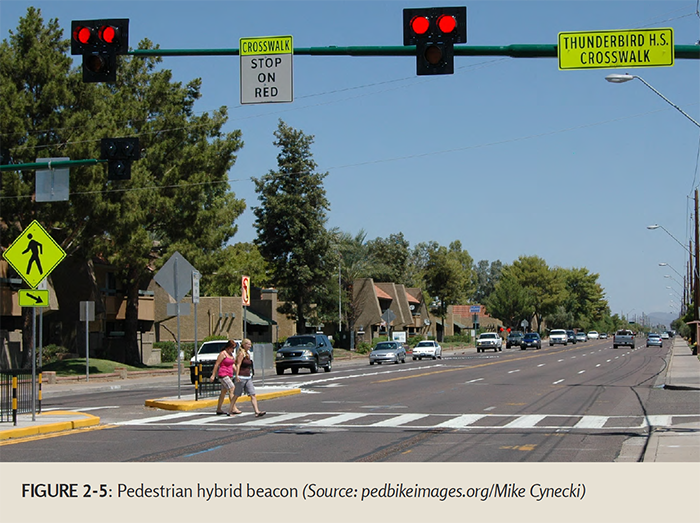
pixel 621 78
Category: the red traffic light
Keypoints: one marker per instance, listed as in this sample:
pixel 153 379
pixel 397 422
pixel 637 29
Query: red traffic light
pixel 446 23
pixel 102 36
pixel 86 35
pixel 108 34
pixel 83 34
pixel 420 25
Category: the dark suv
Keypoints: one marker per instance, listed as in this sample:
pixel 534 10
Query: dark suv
pixel 514 339
pixel 309 351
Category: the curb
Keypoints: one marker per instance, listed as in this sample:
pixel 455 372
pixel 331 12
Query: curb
pixel 174 404
pixel 88 420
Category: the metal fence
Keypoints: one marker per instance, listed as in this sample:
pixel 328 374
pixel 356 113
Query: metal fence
pixel 203 388
pixel 16 393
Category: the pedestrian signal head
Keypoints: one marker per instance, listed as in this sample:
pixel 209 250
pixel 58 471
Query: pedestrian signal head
pixel 119 153
pixel 100 41
pixel 434 31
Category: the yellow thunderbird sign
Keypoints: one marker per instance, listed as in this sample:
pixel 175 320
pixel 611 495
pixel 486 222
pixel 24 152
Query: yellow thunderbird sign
pixel 34 254
pixel 614 49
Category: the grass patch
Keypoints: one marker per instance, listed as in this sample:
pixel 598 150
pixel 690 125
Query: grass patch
pixel 76 366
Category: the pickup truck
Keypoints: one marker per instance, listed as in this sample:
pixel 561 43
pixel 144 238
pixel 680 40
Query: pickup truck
pixel 623 337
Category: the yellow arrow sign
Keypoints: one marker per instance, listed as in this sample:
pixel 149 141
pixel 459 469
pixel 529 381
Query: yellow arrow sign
pixel 33 298
pixel 615 49
pixel 34 254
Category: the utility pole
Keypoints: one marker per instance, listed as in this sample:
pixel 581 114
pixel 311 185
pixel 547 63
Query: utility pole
pixel 696 294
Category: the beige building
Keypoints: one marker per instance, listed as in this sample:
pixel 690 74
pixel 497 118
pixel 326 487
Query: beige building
pixel 223 316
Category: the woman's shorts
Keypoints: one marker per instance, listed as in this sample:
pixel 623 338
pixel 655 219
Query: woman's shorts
pixel 226 382
pixel 244 386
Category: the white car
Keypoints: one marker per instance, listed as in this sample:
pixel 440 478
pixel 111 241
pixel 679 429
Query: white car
pixel 593 335
pixel 558 336
pixel 489 340
pixel 427 349
pixel 206 356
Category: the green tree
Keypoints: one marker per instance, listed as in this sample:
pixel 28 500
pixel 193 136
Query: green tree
pixel 417 263
pixel 583 297
pixel 188 207
pixel 543 285
pixel 389 258
pixel 291 221
pixel 233 262
pixel 448 276
pixel 510 301
pixel 486 277
pixel 178 197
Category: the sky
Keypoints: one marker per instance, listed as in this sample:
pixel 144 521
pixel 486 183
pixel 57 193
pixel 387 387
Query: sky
pixel 510 156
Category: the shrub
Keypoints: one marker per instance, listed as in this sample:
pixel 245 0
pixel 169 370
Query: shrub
pixel 460 338
pixel 52 353
pixel 168 350
pixel 363 348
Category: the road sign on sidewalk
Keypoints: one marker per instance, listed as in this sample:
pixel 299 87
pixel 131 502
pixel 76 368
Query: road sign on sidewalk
pixel 175 276
pixel 266 70
pixel 34 254
pixel 33 298
pixel 388 316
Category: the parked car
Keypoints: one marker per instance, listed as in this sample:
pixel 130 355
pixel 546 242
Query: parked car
pixel 581 336
pixel 571 336
pixel 427 349
pixel 388 351
pixel 593 335
pixel 206 355
pixel 489 340
pixel 558 336
pixel 514 339
pixel 309 351
pixel 531 339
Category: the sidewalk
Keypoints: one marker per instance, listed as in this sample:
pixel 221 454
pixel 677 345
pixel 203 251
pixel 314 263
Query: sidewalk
pixel 681 373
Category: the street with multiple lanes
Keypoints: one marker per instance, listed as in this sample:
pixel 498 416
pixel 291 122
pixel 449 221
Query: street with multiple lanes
pixel 575 403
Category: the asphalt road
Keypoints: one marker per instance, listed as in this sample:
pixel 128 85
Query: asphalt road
pixel 577 403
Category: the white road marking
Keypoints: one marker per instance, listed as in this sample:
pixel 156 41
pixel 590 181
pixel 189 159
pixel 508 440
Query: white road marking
pixel 387 420
pixel 474 381
pixel 558 381
pixel 512 371
pixel 581 371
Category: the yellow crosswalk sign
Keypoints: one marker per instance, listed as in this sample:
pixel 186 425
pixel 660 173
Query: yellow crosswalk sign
pixel 34 254
pixel 33 298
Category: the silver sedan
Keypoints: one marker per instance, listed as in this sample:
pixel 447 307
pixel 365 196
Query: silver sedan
pixel 389 352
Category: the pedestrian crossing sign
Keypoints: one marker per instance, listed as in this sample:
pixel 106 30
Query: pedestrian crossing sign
pixel 33 298
pixel 34 254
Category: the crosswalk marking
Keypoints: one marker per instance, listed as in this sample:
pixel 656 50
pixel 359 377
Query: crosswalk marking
pixel 591 422
pixel 461 421
pixel 525 422
pixel 438 421
pixel 401 419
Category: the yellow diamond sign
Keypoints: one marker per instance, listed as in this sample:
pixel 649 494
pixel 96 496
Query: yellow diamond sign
pixel 34 254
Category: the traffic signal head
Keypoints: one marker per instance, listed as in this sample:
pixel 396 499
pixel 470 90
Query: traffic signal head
pixel 99 41
pixel 434 31
pixel 119 153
